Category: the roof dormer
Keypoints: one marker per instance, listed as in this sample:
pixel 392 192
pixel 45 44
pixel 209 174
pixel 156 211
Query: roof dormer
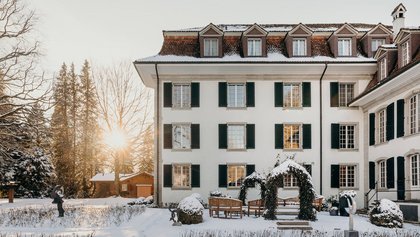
pixel 343 41
pixel 211 38
pixel 254 41
pixel 377 36
pixel 386 55
pixel 298 41
pixel 406 42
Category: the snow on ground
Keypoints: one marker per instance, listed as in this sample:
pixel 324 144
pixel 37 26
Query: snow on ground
pixel 154 222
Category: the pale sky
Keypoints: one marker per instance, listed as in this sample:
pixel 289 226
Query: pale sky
pixel 108 31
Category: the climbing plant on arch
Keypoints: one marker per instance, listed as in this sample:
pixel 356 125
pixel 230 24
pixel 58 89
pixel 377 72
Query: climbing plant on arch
pixel 306 190
pixel 249 182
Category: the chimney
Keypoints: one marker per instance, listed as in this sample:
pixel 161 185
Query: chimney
pixel 398 18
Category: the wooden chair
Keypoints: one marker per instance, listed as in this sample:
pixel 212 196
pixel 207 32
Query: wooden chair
pixel 257 206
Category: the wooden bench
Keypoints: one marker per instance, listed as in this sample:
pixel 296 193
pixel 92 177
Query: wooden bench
pixel 317 203
pixel 257 206
pixel 228 206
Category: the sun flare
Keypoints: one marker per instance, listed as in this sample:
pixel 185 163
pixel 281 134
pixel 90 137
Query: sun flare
pixel 116 138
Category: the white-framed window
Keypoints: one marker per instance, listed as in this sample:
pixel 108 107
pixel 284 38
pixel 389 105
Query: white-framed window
pixel 414 114
pixel 181 175
pixel 299 47
pixel 382 67
pixel 289 181
pixel 344 47
pixel 211 47
pixel 381 135
pixel 345 93
pixel 292 95
pixel 254 47
pixel 415 170
pixel 292 136
pixel 124 187
pixel 347 136
pixel 347 176
pixel 236 174
pixel 236 136
pixel 376 43
pixel 181 95
pixel 236 95
pixel 405 53
pixel 382 173
pixel 181 136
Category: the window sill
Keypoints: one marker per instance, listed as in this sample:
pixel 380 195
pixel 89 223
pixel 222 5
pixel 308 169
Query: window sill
pixel 181 188
pixel 241 149
pixel 181 108
pixel 294 108
pixel 293 149
pixel 181 150
pixel 380 144
pixel 233 188
pixel 411 135
pixel 347 108
pixel 291 188
pixel 236 108
pixel 348 188
pixel 348 150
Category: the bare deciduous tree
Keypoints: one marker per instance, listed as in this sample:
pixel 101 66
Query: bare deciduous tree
pixel 124 104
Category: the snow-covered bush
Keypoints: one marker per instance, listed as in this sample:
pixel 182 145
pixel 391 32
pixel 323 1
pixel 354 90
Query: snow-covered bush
pixel 215 193
pixel 198 197
pixel 142 201
pixel 190 210
pixel 386 213
pixel 348 194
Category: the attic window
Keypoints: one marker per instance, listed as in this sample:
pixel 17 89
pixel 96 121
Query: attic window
pixel 382 67
pixel 299 47
pixel 405 54
pixel 376 43
pixel 254 47
pixel 401 14
pixel 344 47
pixel 211 48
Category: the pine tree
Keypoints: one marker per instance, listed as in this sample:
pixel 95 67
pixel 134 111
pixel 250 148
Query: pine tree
pixel 89 161
pixel 62 143
pixel 146 152
pixel 40 132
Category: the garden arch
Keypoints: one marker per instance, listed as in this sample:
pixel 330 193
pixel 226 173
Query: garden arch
pixel 249 182
pixel 306 190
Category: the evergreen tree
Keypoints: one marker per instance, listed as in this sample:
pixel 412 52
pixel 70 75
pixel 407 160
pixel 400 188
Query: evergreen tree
pixel 62 143
pixel 39 132
pixel 145 163
pixel 73 115
pixel 89 161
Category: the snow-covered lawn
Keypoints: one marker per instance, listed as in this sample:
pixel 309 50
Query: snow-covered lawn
pixel 88 217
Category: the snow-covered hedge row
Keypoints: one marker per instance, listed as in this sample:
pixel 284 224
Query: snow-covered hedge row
pixel 75 216
pixel 142 201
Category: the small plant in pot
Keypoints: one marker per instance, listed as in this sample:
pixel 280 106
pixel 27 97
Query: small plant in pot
pixel 333 204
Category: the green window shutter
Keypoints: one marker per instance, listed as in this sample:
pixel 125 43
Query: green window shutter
pixel 372 129
pixel 390 122
pixel 167 136
pixel 222 136
pixel 167 176
pixel 250 136
pixel 249 170
pixel 278 94
pixel 308 168
pixel 278 136
pixel 390 173
pixel 195 176
pixel 400 178
pixel 306 92
pixel 222 176
pixel 222 94
pixel 372 175
pixel 335 136
pixel 400 118
pixel 335 175
pixel 195 136
pixel 307 136
pixel 195 94
pixel 167 94
pixel 250 94
pixel 334 94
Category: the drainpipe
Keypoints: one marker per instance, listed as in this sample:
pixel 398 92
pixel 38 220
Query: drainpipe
pixel 320 126
pixel 157 132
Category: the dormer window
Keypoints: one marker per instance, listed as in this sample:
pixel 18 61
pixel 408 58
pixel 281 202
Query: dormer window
pixel 376 43
pixel 344 47
pixel 211 48
pixel 254 47
pixel 299 47
pixel 382 67
pixel 405 53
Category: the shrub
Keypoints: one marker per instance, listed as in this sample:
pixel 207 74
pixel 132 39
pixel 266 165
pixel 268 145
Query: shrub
pixel 386 213
pixel 190 210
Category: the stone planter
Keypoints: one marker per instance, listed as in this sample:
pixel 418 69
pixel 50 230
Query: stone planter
pixel 187 219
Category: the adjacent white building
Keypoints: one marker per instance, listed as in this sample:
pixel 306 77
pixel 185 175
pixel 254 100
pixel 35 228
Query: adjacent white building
pixel 230 98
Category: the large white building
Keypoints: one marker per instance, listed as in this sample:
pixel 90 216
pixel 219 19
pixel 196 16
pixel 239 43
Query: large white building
pixel 230 98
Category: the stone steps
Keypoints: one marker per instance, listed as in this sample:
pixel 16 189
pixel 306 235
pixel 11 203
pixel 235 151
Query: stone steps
pixel 293 225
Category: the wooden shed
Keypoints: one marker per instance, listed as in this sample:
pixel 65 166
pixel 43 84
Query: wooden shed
pixel 132 185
